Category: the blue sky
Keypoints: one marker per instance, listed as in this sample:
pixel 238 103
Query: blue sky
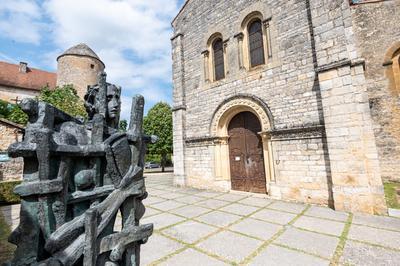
pixel 130 36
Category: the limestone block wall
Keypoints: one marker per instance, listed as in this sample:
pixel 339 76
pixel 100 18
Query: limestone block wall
pixel 315 78
pixel 285 83
pixel 8 135
pixel 80 71
pixel 11 170
pixel 301 171
pixel 377 30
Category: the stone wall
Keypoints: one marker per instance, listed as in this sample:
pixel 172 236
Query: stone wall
pixel 10 170
pixel 301 169
pixel 79 71
pixel 377 29
pixel 314 80
pixel 8 135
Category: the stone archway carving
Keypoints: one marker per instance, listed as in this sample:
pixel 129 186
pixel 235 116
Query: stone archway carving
pixel 219 130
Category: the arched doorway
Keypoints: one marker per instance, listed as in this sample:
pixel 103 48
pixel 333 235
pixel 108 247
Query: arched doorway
pixel 246 153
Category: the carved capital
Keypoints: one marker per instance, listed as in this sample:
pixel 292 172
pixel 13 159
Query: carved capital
pixel 239 36
pixel 265 135
pixel 205 53
pixel 222 140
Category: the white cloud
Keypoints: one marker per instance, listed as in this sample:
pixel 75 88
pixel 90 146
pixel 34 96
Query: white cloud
pixel 20 21
pixel 132 37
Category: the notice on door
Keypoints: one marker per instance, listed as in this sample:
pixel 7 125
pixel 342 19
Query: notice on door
pixel 237 158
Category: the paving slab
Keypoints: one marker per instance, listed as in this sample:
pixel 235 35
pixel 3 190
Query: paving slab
pixel 376 236
pixel 213 203
pixel 156 248
pixel 287 207
pixel 168 205
pixel 190 191
pixel 152 200
pixel 217 218
pixel 190 231
pixel 190 199
pixel 327 213
pixel 320 225
pixel 309 242
pixel 356 253
pixel 256 228
pixel 231 197
pixel 162 220
pixel 225 244
pixel 274 216
pixel 383 222
pixel 172 195
pixel 150 212
pixel 239 209
pixel 209 194
pixel 190 211
pixel 279 256
pixel 256 201
pixel 192 257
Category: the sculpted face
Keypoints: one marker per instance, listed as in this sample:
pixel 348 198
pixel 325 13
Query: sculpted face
pixel 113 102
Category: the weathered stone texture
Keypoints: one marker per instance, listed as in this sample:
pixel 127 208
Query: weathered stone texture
pixel 320 134
pixel 377 30
pixel 78 70
pixel 8 134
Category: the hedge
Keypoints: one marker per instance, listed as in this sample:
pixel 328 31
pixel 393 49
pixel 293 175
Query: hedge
pixel 7 195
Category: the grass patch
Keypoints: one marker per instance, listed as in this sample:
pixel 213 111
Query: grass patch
pixel 6 249
pixel 7 195
pixel 391 194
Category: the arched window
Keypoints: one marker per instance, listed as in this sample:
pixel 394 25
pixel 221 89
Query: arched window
pixel 219 68
pixel 256 44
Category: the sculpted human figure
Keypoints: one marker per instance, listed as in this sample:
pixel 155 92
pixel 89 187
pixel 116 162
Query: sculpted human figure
pixel 77 177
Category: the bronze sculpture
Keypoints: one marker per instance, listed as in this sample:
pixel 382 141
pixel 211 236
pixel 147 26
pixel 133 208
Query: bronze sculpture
pixel 77 176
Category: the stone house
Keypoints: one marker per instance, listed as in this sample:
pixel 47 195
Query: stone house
pixel 295 99
pixel 21 81
pixel 78 65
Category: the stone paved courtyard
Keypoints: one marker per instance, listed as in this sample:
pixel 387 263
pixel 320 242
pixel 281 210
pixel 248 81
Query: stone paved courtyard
pixel 197 227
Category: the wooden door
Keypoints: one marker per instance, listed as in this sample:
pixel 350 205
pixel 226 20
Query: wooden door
pixel 246 154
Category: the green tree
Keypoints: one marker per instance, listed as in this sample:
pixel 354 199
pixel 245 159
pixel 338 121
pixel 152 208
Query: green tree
pixel 17 115
pixel 5 109
pixel 64 98
pixel 158 121
pixel 12 112
pixel 123 124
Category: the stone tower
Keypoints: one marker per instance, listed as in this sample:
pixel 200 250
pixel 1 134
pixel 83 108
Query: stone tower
pixel 79 66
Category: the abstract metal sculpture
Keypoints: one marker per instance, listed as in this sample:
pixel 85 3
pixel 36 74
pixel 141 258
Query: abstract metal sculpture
pixel 77 177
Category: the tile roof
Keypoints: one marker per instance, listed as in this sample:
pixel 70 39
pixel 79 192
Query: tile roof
pixel 82 50
pixel 33 79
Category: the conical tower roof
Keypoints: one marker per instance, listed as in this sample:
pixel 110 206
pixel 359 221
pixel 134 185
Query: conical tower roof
pixel 81 50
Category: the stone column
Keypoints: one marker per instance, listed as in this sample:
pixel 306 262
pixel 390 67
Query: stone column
pixel 239 37
pixel 179 109
pixel 268 161
pixel 396 71
pixel 267 32
pixel 206 65
pixel 222 163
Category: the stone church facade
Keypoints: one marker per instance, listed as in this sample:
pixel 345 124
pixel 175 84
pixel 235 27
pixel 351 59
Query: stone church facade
pixel 295 99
